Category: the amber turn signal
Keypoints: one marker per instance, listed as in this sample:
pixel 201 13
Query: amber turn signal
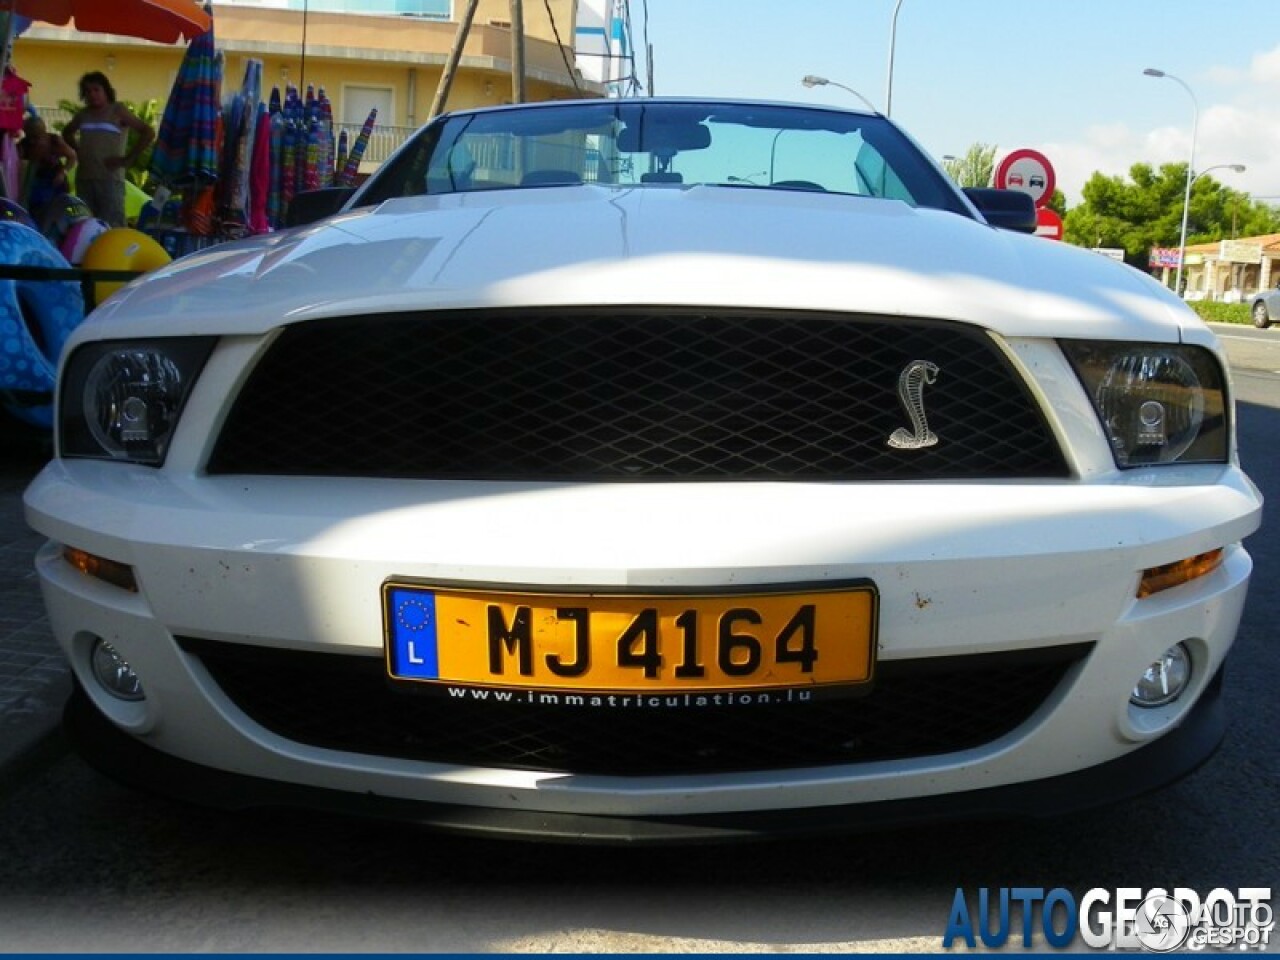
pixel 1182 571
pixel 100 568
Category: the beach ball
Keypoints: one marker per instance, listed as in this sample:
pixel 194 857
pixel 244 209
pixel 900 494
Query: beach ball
pixel 11 212
pixel 122 248
pixel 79 237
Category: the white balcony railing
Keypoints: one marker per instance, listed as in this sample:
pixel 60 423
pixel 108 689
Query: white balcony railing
pixel 382 143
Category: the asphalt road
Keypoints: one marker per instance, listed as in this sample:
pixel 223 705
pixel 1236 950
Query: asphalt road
pixel 89 866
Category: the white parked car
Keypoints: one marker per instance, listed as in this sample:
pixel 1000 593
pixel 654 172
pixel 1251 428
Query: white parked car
pixel 647 469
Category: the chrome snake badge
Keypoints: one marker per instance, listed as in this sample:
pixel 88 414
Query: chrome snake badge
pixel 911 383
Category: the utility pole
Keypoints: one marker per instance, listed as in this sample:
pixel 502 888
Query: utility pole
pixel 451 65
pixel 302 69
pixel 517 51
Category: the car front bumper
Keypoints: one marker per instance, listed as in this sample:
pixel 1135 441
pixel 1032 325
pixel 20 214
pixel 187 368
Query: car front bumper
pixel 130 761
pixel 962 570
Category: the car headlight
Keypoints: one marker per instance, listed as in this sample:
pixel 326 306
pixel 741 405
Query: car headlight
pixel 121 400
pixel 1158 403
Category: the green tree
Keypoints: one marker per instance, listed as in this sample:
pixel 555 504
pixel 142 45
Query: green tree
pixel 137 173
pixel 975 169
pixel 1145 211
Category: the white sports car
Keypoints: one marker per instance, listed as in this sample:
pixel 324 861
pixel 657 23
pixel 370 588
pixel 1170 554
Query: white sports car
pixel 647 470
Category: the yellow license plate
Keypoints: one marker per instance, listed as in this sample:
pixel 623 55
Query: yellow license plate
pixel 609 642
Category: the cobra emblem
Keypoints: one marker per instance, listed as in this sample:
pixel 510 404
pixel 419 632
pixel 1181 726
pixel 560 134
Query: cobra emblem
pixel 911 383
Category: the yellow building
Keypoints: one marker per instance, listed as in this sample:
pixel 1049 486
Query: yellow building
pixel 362 60
pixel 1232 270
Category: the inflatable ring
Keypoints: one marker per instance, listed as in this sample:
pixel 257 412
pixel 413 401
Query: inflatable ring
pixel 36 317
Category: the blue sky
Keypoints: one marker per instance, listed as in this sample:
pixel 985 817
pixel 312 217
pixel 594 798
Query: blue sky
pixel 1060 76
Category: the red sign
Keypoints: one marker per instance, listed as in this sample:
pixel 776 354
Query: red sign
pixel 1048 224
pixel 1028 171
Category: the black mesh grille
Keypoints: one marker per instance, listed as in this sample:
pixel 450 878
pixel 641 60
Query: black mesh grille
pixel 915 708
pixel 629 394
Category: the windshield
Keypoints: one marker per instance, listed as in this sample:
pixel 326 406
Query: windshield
pixel 663 144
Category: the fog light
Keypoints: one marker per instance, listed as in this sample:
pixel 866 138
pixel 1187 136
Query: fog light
pixel 1163 681
pixel 114 673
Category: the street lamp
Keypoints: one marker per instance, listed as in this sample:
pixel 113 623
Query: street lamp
pixel 812 81
pixel 888 83
pixel 1186 200
pixel 1237 167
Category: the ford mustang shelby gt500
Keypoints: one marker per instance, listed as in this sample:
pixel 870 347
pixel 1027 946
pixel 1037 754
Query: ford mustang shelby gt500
pixel 647 469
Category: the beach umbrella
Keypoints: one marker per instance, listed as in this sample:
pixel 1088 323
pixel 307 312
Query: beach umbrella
pixel 186 148
pixel 352 166
pixel 241 118
pixel 340 161
pixel 164 21
pixel 311 156
pixel 289 147
pixel 260 174
pixel 275 195
pixel 294 151
pixel 251 94
pixel 232 110
pixel 288 163
pixel 328 144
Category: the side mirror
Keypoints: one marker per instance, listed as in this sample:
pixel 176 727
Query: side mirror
pixel 312 205
pixel 1006 209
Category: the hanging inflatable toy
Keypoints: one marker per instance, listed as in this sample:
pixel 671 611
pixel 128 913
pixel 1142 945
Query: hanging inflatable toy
pixel 36 317
pixel 63 214
pixel 122 248
pixel 11 212
pixel 78 239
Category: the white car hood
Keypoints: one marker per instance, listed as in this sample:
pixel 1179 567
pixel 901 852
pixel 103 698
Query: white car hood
pixel 705 246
